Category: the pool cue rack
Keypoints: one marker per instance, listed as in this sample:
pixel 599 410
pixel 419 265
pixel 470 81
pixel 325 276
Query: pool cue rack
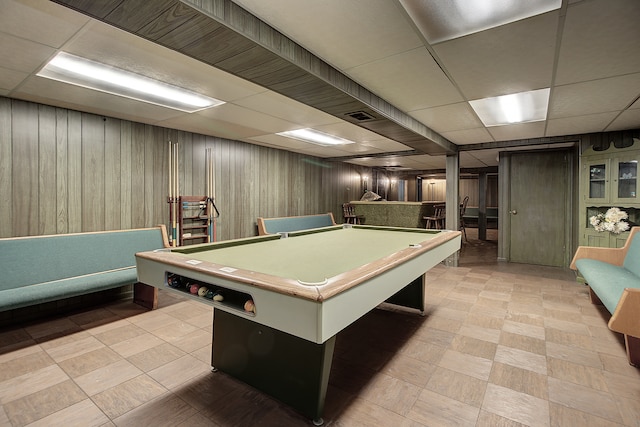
pixel 193 216
pixel 192 219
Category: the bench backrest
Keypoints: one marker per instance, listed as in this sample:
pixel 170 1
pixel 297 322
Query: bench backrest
pixel 632 258
pixel 294 223
pixel 36 259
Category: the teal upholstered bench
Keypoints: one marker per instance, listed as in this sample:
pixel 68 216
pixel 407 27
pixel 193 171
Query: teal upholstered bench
pixel 41 269
pixel 294 223
pixel 613 277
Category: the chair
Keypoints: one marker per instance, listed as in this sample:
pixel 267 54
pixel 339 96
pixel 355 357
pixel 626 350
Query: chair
pixel 349 213
pixel 437 220
pixel 463 209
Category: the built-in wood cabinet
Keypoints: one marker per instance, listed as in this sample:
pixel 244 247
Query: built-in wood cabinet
pixel 609 178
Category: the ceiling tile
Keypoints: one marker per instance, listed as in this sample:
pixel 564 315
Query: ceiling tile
pixel 479 159
pixel 629 119
pixel 448 117
pixel 513 58
pixel 393 78
pixel 580 124
pixel 35 56
pixel 259 121
pixel 468 136
pixel 39 21
pixel 597 43
pixel 343 33
pixel 597 96
pixel 9 79
pixel 518 131
pixel 482 157
pixel 285 108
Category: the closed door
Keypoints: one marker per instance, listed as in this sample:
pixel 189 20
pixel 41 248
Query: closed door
pixel 539 207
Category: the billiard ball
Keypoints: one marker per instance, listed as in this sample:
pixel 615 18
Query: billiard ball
pixel 203 291
pixel 194 289
pixel 173 281
pixel 209 294
pixel 250 306
pixel 218 297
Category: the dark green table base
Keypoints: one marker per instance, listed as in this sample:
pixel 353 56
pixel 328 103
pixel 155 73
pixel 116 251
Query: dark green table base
pixel 411 296
pixel 291 369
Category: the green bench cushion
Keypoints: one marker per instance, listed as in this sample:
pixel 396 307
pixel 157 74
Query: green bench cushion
pixel 606 280
pixel 65 288
pixel 31 260
pixel 296 223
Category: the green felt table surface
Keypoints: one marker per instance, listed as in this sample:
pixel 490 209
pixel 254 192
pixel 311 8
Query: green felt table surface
pixel 312 258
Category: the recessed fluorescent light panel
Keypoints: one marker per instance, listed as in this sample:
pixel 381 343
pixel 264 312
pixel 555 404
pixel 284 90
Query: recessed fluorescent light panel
pixel 440 20
pixel 315 137
pixel 514 108
pixel 78 71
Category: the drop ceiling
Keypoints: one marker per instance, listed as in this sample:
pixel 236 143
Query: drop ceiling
pixel 316 61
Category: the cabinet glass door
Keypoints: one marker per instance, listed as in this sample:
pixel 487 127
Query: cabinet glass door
pixel 597 181
pixel 627 179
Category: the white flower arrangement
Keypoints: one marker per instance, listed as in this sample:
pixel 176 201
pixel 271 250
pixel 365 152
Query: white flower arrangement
pixel 612 221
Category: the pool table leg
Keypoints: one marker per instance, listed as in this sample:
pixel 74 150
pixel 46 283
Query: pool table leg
pixel 291 369
pixel 145 295
pixel 412 295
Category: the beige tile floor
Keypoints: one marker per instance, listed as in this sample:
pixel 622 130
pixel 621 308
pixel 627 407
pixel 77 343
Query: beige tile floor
pixel 501 345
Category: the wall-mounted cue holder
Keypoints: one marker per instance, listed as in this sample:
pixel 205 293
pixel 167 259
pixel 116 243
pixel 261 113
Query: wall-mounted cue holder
pixel 211 293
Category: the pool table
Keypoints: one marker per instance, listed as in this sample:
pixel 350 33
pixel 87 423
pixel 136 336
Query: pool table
pixel 280 300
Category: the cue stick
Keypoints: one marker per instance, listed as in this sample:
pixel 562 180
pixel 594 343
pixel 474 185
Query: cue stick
pixel 210 221
pixel 177 190
pixel 206 197
pixel 172 213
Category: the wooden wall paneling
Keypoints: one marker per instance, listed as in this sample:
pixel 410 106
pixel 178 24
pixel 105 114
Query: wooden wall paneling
pixel 469 187
pixel 149 147
pixel 236 175
pixel 269 191
pixel 254 189
pixel 47 152
pixel 160 175
pixel 222 190
pixel 62 170
pixel 221 170
pixel 93 173
pixel 137 175
pixel 299 184
pixel 286 178
pixel 197 174
pixel 25 168
pixel 74 173
pixel 186 160
pixel 246 188
pixel 125 174
pixel 6 157
pixel 113 174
